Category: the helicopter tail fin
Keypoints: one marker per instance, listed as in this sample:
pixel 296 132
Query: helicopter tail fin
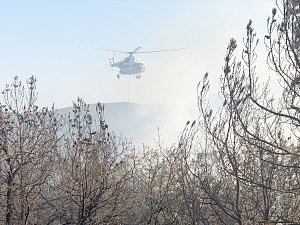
pixel 111 61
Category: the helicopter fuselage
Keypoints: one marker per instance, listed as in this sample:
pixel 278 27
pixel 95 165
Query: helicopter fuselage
pixel 130 65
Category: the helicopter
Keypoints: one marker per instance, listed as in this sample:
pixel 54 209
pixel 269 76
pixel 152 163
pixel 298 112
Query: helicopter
pixel 131 65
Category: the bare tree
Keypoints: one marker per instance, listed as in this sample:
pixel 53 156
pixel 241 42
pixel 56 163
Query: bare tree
pixel 93 171
pixel 157 178
pixel 28 143
pixel 248 173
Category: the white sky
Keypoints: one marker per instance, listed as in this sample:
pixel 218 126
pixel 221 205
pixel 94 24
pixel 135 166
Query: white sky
pixel 45 39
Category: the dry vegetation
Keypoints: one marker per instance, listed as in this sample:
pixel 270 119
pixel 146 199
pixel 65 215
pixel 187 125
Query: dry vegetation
pixel 238 165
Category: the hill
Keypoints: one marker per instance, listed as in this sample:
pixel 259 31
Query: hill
pixel 142 123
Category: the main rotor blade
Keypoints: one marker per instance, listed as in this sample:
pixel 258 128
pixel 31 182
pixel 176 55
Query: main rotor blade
pixel 165 50
pixel 109 50
pixel 134 51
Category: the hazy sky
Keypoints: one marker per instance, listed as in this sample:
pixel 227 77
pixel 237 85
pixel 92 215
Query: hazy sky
pixel 50 40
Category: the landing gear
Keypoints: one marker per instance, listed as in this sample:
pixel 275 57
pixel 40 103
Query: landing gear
pixel 138 76
pixel 118 76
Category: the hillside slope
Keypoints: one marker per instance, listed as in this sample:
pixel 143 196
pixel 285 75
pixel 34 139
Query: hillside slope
pixel 141 122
